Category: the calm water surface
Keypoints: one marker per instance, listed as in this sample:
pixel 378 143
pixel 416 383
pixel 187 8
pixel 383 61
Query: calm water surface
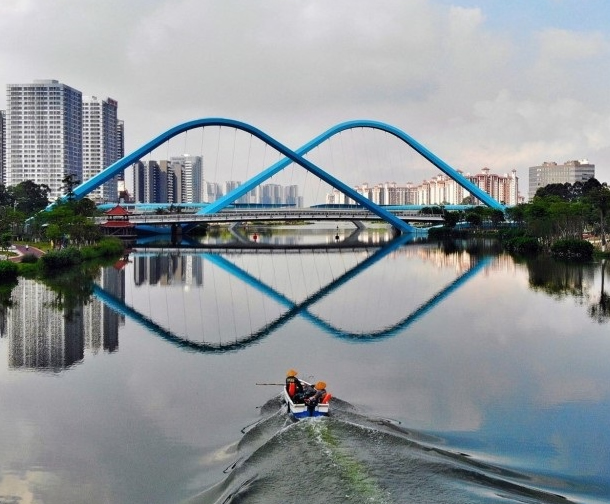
pixel 459 375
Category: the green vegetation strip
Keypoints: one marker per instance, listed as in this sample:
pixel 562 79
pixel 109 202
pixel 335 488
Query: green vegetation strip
pixel 351 469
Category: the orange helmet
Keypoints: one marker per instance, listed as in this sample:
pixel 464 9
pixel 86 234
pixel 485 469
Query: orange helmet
pixel 292 372
pixel 320 385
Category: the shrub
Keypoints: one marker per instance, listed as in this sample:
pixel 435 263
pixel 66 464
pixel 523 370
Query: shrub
pixel 572 249
pixel 109 247
pixel 522 245
pixel 60 259
pixel 8 271
pixel 29 258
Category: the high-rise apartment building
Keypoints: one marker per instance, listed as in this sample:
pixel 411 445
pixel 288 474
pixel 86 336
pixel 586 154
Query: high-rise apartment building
pixel 43 134
pixel 439 190
pixel 120 131
pixel 190 188
pixel 2 147
pixel 101 144
pixel 552 173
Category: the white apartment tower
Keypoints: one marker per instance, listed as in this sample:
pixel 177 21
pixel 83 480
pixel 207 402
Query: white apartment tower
pixel 190 187
pixel 43 134
pixel 101 144
pixel 2 147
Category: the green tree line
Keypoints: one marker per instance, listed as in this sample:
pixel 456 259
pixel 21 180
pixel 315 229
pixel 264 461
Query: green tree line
pixel 67 222
pixel 558 214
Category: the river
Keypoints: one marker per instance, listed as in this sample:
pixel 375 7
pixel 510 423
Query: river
pixel 458 374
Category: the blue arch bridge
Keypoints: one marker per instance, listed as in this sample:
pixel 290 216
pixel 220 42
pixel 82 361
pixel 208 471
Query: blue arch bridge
pixel 217 211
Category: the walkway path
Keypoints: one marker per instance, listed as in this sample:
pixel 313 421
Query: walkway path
pixel 25 249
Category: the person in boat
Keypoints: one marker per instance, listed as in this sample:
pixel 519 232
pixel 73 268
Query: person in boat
pixel 308 391
pixel 294 387
pixel 318 395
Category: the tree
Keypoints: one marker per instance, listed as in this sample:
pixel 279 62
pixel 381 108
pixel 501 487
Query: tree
pixel 496 216
pixel 69 182
pixel 6 197
pixel 562 191
pixel 5 241
pixel 451 219
pixel 590 185
pixel 599 197
pixel 474 219
pixel 516 213
pixel 30 197
pixel 54 233
pixel 85 207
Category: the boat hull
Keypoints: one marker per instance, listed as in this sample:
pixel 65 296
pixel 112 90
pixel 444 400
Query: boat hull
pixel 299 411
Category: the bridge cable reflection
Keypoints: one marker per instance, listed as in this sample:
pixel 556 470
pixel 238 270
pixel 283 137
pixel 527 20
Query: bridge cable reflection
pixel 294 309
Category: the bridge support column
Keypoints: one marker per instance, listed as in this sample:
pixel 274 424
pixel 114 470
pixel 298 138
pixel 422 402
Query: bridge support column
pixel 176 233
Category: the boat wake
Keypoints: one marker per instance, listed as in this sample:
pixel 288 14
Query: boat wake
pixel 349 457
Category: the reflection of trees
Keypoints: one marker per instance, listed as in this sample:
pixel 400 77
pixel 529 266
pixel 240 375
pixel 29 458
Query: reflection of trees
pixel 6 301
pixel 562 279
pixel 73 288
pixel 559 279
pixel 600 310
pixel 473 246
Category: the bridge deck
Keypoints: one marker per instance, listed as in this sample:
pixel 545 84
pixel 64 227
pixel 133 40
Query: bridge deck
pixel 284 214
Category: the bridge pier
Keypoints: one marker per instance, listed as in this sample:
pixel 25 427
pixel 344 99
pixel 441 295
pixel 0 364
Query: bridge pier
pixel 176 232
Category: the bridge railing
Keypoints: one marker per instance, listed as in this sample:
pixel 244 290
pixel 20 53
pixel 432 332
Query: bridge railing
pixel 241 215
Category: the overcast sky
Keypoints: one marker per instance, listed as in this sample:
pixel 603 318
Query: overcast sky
pixel 505 84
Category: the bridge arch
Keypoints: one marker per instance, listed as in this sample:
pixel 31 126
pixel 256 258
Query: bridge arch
pixel 290 156
pixel 246 187
pixel 120 165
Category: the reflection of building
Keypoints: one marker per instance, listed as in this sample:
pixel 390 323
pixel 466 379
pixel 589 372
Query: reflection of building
pixel 3 314
pixel 44 336
pixel 168 270
pixel 40 335
pixel 102 323
pixel 552 173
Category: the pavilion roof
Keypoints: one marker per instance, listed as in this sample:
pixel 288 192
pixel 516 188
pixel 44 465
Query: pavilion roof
pixel 117 211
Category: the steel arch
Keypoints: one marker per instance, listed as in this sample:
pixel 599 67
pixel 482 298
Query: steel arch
pixel 128 160
pixel 291 156
pixel 283 163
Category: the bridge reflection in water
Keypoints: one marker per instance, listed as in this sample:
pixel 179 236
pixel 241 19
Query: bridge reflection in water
pixel 293 309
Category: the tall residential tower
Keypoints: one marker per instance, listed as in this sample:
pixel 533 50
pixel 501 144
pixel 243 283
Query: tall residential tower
pixel 43 134
pixel 101 144
pixel 2 146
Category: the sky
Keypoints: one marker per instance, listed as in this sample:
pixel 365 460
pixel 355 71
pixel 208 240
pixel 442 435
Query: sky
pixel 504 84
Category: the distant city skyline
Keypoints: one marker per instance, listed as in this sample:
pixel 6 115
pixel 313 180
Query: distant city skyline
pixel 181 179
pixel 40 139
pixel 438 190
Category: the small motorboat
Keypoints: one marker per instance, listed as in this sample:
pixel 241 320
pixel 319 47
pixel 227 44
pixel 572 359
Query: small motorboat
pixel 302 408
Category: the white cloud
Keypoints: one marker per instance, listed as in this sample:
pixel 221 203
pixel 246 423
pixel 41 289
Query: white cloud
pixel 564 45
pixel 475 96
